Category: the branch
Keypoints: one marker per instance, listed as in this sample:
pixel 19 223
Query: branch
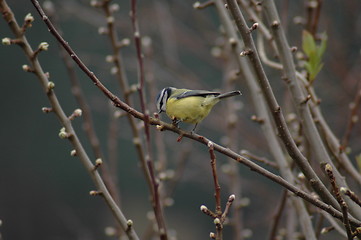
pixel 165 126
pixel 353 118
pixel 277 215
pixel 340 200
pixel 217 194
pixel 309 126
pixel 274 107
pixel 157 206
pixel 351 195
pixel 68 131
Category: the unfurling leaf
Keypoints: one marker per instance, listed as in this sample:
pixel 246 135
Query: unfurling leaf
pixel 314 53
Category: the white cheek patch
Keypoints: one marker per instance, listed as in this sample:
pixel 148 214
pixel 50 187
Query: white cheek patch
pixel 162 100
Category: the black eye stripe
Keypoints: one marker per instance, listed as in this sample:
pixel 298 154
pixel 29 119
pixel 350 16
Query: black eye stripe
pixel 161 100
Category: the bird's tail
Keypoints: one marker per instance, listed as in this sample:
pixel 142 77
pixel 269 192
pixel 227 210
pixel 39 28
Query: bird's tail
pixel 229 94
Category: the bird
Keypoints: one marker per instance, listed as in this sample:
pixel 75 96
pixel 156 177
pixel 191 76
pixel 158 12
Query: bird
pixel 190 106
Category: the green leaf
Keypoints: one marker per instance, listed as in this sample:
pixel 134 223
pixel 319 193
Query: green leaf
pixel 308 43
pixel 314 53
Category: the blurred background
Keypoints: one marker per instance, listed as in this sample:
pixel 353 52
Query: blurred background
pixel 45 191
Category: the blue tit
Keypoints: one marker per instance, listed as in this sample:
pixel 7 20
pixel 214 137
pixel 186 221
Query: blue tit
pixel 190 106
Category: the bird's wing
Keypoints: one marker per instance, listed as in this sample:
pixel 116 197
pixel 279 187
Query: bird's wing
pixel 195 93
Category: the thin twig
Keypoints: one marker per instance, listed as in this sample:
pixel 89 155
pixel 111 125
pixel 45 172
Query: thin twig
pixel 315 18
pixel 198 5
pixel 217 191
pixel 65 121
pixel 259 159
pixel 340 200
pixel 353 118
pixel 124 88
pixel 158 208
pixel 317 146
pixel 275 108
pixel 228 207
pixel 352 195
pixel 277 215
pixel 88 125
pixel 334 225
pixel 165 126
pixel 232 132
pixel 268 126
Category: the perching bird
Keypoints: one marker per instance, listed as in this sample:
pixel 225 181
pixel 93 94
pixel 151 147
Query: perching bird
pixel 190 106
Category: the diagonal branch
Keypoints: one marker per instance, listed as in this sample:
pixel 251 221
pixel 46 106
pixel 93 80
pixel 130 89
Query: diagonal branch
pixel 309 126
pixel 165 126
pixel 274 107
pixel 68 131
pixel 157 205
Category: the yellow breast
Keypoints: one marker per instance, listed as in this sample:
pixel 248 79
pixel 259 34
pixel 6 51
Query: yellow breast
pixel 190 109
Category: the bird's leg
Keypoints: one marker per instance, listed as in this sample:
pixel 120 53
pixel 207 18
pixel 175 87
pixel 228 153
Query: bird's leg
pixel 194 129
pixel 175 122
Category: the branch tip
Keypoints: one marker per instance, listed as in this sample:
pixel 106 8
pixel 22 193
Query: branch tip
pixel 43 46
pixel 294 49
pixel 257 119
pixel 103 31
pixel 301 176
pixel 63 134
pixel 77 113
pixel 110 231
pixel 6 41
pixel 27 68
pixel 136 141
pixel 95 3
pixel 98 163
pixel 275 24
pixel 231 198
pixel 343 190
pixel 114 70
pixel 246 52
pixel 50 86
pixel 204 208
pixel 130 223
pixel 217 221
pixel 327 229
pixel 114 7
pixel 328 168
pixel 110 19
pixel 109 58
pixel 137 34
pixel 306 99
pixel 73 153
pixel 95 193
pixel 124 43
pixel 29 18
pixel 46 109
pixel 208 212
pixel 160 127
pixel 254 27
pixel 198 5
pixel 168 202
